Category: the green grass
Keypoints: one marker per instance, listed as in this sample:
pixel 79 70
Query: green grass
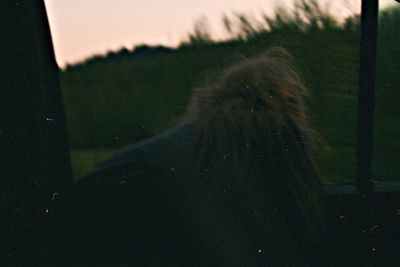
pixel 386 149
pixel 86 160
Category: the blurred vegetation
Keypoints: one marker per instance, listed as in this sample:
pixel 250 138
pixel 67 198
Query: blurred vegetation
pixel 387 112
pixel 129 95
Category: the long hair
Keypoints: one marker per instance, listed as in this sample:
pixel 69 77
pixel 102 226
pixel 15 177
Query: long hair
pixel 252 123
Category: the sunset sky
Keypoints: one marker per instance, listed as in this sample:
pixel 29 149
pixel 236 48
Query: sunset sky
pixel 81 28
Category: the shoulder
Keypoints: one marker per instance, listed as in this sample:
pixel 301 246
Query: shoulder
pixel 157 154
pixel 122 211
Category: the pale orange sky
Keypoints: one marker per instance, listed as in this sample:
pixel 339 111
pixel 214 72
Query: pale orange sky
pixel 81 28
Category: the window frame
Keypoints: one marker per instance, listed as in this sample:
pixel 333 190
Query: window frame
pixel 366 90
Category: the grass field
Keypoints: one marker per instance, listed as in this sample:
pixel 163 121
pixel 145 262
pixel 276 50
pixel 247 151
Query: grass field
pixel 86 160
pixel 130 95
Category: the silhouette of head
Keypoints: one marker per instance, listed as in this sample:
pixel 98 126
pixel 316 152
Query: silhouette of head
pixel 252 124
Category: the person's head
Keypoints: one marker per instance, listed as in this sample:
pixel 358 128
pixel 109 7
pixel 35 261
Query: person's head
pixel 266 83
pixel 253 122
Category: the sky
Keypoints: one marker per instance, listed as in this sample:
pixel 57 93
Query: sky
pixel 82 28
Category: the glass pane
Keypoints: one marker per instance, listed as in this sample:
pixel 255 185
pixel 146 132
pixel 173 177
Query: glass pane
pixel 387 112
pixel 116 98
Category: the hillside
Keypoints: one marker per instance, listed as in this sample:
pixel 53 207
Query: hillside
pixel 126 96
